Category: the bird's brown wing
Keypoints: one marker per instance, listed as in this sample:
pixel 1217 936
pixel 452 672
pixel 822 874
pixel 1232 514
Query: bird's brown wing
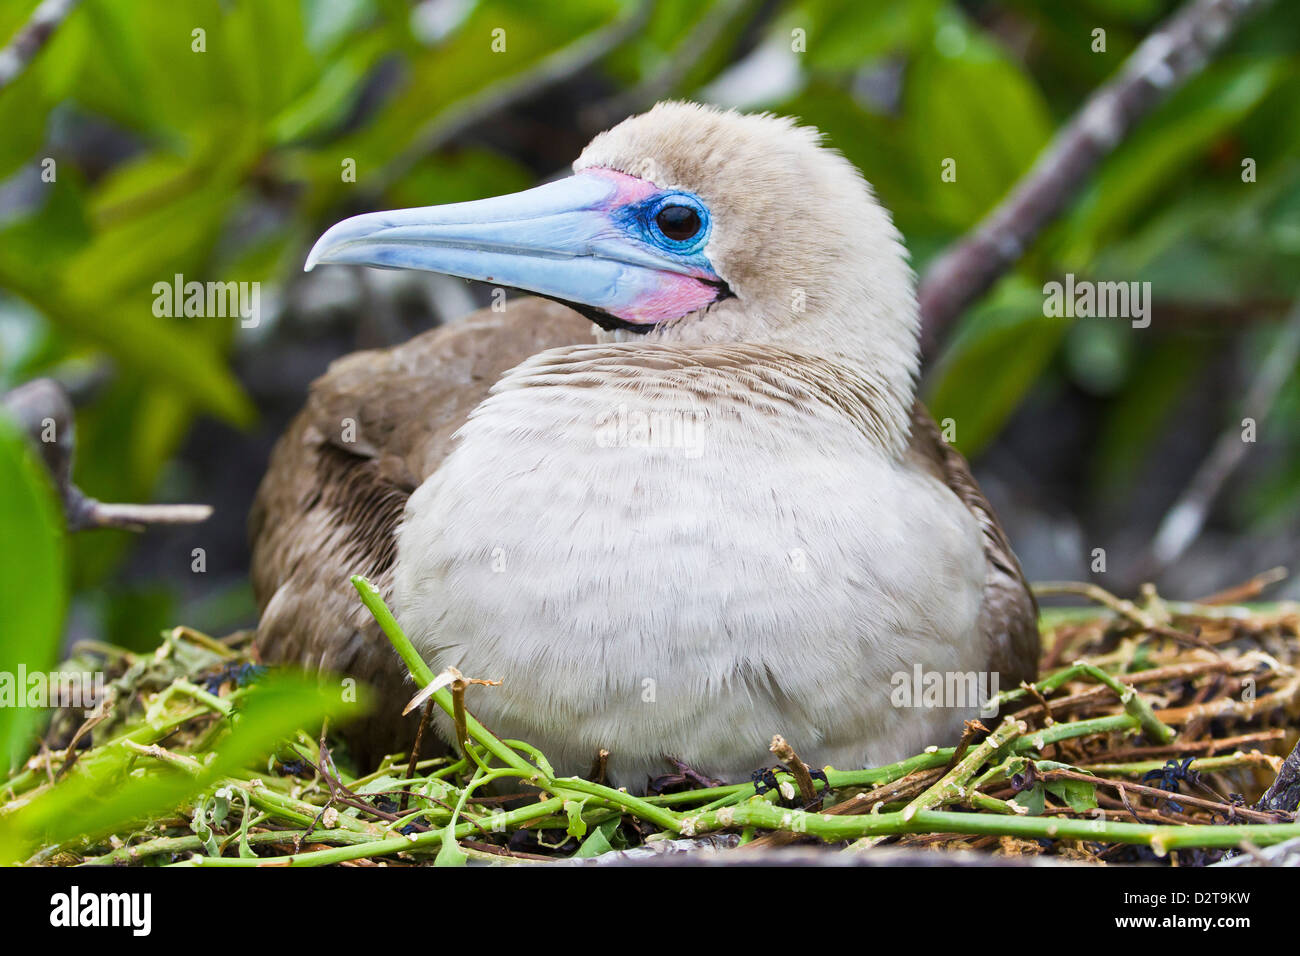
pixel 1009 616
pixel 375 426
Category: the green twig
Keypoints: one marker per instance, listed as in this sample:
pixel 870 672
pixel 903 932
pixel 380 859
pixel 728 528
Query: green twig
pixel 954 786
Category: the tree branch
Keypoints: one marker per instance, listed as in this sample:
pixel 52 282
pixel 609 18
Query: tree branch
pixel 1183 522
pixel 1174 52
pixel 42 410
pixel 32 37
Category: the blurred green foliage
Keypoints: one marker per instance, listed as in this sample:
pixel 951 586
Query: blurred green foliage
pixel 224 164
pixel 32 581
pixel 110 791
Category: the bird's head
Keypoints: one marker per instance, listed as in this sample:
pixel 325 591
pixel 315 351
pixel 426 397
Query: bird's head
pixel 686 224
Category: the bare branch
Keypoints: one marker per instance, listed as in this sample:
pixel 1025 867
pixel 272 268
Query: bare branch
pixel 1174 52
pixel 32 37
pixel 1183 522
pixel 42 410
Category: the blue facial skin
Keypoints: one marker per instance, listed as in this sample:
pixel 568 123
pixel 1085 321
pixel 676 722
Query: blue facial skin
pixel 638 219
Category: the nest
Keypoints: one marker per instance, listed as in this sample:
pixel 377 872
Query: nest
pixel 1153 733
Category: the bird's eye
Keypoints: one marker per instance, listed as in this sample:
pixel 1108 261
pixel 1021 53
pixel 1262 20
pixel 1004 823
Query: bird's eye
pixel 678 223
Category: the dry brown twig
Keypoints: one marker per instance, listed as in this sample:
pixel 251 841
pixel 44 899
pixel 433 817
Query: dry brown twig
pixel 970 730
pixel 1140 617
pixel 1217 806
pixel 785 753
pixel 1247 590
pixel 414 760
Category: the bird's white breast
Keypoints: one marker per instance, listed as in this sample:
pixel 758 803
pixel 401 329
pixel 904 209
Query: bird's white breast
pixel 666 558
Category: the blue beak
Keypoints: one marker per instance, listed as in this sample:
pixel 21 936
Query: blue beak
pixel 567 240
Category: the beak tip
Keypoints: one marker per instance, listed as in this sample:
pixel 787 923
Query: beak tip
pixel 315 256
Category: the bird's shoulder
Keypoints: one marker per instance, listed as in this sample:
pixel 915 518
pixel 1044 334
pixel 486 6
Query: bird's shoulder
pixel 374 426
pixel 1009 615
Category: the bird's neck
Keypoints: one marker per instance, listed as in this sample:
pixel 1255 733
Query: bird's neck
pixel 871 341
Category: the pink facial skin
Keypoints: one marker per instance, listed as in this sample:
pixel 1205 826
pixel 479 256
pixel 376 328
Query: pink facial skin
pixel 629 188
pixel 672 294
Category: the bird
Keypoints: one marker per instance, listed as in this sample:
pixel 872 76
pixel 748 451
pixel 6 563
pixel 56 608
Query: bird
pixel 681 498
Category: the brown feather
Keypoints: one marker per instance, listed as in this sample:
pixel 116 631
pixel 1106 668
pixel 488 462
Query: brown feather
pixel 329 508
pixel 1009 616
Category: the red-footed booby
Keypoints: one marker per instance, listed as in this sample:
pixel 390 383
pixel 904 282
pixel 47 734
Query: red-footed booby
pixel 686 501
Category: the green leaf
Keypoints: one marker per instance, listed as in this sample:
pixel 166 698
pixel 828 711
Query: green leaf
pixel 1033 800
pixel 201 826
pixel 144 72
pixel 155 217
pixel 455 177
pixel 154 347
pixel 600 840
pixel 1079 795
pixel 844 34
pixel 667 27
pixel 159 215
pixel 444 82
pixel 12 16
pixel 577 827
pixel 330 22
pixel 1148 164
pixel 266 44
pixel 1133 420
pixel 1099 355
pixel 997 354
pixel 968 104
pixel 33 588
pixel 152 217
pixel 327 101
pixel 54 229
pixel 378 785
pixel 111 795
pixel 450 854
pixel 23 111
